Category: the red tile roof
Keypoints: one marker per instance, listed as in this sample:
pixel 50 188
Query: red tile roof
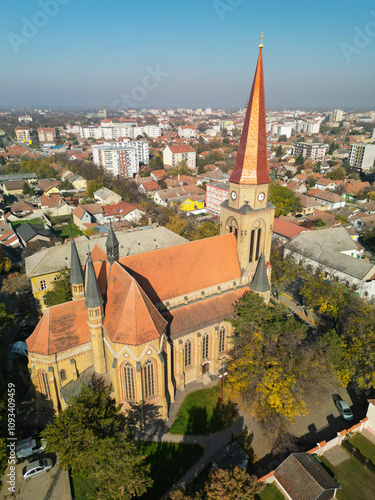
pixel 285 228
pixel 189 267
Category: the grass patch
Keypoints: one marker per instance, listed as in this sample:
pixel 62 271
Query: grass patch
pixel 364 446
pixel 356 481
pixel 169 461
pixel 66 231
pixel 202 413
pixel 15 224
pixel 270 492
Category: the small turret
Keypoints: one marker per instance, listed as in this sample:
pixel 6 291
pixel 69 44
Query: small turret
pixel 76 273
pixel 260 283
pixel 95 313
pixel 112 246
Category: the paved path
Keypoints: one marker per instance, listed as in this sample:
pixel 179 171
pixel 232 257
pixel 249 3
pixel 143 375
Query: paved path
pixel 336 455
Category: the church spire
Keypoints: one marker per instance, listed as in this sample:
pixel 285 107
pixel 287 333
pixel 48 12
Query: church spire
pixel 251 161
pixel 76 273
pixel 112 245
pixel 94 298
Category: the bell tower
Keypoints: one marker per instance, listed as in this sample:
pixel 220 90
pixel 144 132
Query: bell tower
pixel 248 213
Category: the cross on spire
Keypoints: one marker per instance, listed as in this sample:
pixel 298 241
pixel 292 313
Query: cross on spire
pixel 261 41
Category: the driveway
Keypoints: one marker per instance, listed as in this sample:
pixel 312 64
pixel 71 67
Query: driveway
pixel 52 485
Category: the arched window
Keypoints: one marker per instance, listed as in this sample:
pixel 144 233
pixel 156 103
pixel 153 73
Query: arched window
pixel 188 353
pixel 62 375
pixel 149 379
pixel 222 339
pixel 205 347
pixel 45 385
pixel 129 382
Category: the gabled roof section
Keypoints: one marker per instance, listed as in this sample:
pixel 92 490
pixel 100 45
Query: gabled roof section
pixel 175 271
pixel 303 478
pixel 251 161
pixel 130 316
pixel 62 327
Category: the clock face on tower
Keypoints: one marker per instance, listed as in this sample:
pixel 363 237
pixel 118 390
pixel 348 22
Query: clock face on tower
pixel 261 196
pixel 234 195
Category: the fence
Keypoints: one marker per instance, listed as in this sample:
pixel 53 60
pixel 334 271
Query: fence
pixel 366 462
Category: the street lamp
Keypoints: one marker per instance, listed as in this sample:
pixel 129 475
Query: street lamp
pixel 222 387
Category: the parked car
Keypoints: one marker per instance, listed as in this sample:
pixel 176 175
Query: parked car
pixel 344 410
pixel 36 468
pixel 20 348
pixel 29 446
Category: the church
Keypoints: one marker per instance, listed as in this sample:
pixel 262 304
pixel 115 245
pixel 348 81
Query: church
pixel 152 322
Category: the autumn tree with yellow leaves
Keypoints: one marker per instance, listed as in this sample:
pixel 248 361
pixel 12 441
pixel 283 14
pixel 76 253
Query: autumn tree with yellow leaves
pixel 274 371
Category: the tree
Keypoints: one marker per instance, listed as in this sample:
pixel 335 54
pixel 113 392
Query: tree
pixel 178 225
pixel 231 484
pixel 282 138
pixel 317 168
pixel 271 370
pixel 2 160
pixel 284 199
pixel 283 270
pixel 61 290
pixel 26 189
pixel 66 185
pixel 279 151
pixel 333 146
pixel 94 185
pixel 319 222
pixel 300 160
pixel 205 230
pixel 337 174
pixel 5 262
pixel 91 230
pixel 92 439
pixel 14 282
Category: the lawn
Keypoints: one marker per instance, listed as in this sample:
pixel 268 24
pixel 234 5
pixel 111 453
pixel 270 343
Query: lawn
pixel 356 481
pixel 270 492
pixel 66 231
pixel 202 413
pixel 169 461
pixel 15 224
pixel 364 446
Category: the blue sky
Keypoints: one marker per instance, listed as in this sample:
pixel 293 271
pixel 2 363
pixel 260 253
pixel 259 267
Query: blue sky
pixel 94 53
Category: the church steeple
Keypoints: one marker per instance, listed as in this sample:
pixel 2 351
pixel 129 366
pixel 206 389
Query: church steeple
pixel 112 246
pixel 247 213
pixel 251 162
pixel 76 273
pixel 95 314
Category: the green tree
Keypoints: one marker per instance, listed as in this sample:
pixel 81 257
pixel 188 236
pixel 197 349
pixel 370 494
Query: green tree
pixel 319 222
pixel 5 262
pixel 66 185
pixel 337 174
pixel 282 138
pixel 91 439
pixel 300 160
pixel 2 160
pixel 178 225
pixel 91 230
pixel 284 200
pixel 205 230
pixel 333 146
pixel 26 189
pixel 279 151
pixel 61 290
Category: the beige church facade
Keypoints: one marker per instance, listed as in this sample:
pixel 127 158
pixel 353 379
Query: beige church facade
pixel 151 323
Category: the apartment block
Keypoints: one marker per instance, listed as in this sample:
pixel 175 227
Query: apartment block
pixel 362 156
pixel 121 158
pixel 172 155
pixel 310 150
pixel 46 134
pixel 216 193
pixel 22 133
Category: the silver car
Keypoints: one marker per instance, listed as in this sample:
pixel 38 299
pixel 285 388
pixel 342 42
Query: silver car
pixel 344 410
pixel 37 467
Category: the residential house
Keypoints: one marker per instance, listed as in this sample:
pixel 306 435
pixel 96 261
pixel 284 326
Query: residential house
pixel 337 255
pixel 353 187
pixel 191 203
pixel 29 233
pixel 55 205
pixel 284 230
pixel 48 187
pixel 29 177
pixel 106 196
pixel 368 207
pixel 21 208
pixel 149 188
pixel 87 214
pixel 123 211
pixel 309 205
pixel 7 236
pixel 300 476
pixel 298 187
pixel 13 187
pixel 79 183
pixel 327 200
pixel 216 175
pixel 16 151
pixel 158 175
pixel 187 131
pixel 325 184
